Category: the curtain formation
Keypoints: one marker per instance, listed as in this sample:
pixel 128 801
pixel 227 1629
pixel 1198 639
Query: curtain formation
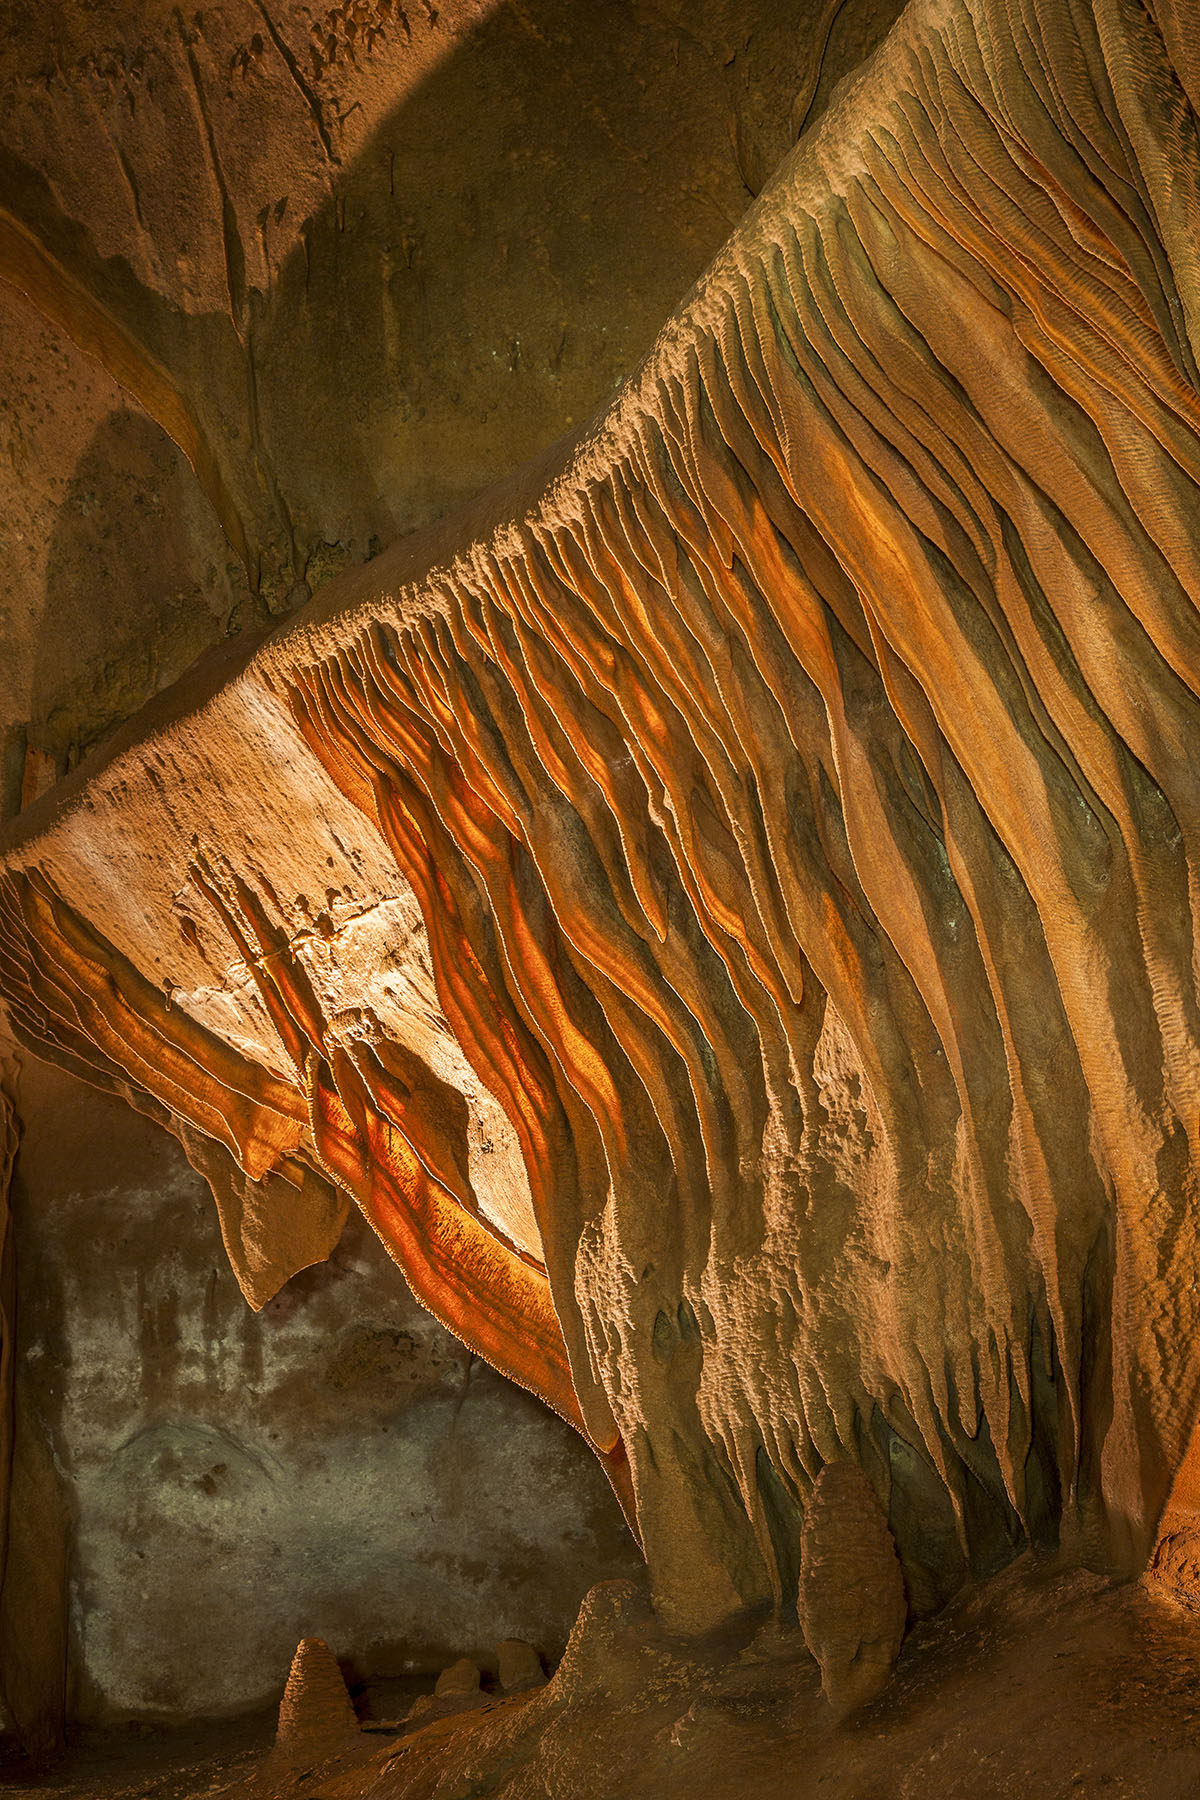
pixel 797 785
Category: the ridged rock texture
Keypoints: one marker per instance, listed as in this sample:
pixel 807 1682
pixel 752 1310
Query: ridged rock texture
pixel 315 1714
pixel 725 907
pixel 851 1600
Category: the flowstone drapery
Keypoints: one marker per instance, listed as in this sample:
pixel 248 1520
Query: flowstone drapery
pixel 725 908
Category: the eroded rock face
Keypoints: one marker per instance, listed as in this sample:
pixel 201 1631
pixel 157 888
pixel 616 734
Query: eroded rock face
pixel 851 1603
pixel 788 795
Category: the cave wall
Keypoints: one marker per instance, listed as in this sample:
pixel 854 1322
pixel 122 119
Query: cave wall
pixel 232 1481
pixel 116 573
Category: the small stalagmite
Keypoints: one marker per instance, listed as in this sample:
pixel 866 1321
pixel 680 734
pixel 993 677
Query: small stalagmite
pixel 316 1716
pixel 851 1600
pixel 459 1681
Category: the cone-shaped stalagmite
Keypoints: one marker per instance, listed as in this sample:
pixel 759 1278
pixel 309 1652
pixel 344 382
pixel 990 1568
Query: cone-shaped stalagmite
pixel 315 1714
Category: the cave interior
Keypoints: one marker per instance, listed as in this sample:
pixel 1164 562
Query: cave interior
pixel 600 899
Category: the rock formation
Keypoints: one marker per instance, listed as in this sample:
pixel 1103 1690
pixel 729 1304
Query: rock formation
pixel 851 1603
pixel 724 906
pixel 8 1152
pixel 315 1715
pixel 457 1689
pixel 34 1528
pixel 459 1681
pixel 518 1666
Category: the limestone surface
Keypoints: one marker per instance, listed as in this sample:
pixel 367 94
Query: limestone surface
pixel 724 906
pixel 315 1715
pixel 851 1602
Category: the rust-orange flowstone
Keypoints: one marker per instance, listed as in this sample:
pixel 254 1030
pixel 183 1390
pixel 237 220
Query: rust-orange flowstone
pixel 725 909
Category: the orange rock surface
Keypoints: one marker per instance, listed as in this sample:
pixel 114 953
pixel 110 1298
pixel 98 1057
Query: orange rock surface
pixel 315 1714
pixel 725 906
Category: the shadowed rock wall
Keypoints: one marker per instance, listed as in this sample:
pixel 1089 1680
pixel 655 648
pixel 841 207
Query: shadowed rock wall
pixel 235 1480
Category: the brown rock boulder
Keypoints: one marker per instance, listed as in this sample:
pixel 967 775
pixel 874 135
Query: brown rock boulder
pixel 519 1665
pixel 459 1681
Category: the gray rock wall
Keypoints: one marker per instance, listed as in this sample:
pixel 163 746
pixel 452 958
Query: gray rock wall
pixel 335 1465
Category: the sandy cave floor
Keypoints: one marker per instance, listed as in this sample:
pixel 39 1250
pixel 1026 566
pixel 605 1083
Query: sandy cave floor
pixel 1040 1684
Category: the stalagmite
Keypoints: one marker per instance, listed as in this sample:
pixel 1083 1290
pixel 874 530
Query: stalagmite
pixel 851 1601
pixel 316 1717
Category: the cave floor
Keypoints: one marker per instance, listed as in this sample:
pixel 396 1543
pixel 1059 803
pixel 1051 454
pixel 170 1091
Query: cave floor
pixel 148 1764
pixel 1039 1684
